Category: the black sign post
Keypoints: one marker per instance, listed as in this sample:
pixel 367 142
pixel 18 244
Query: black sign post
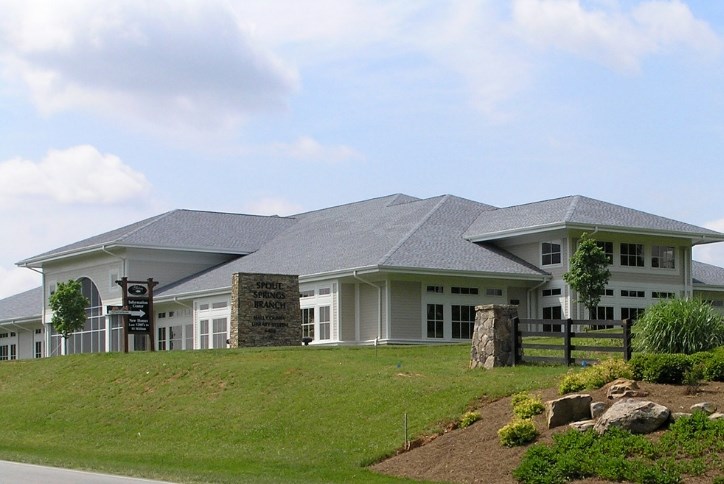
pixel 138 305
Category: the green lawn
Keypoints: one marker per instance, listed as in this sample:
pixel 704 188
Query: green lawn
pixel 262 415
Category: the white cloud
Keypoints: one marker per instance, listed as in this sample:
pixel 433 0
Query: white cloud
pixel 613 36
pixel 170 65
pixel 711 253
pixel 16 280
pixel 80 174
pixel 268 205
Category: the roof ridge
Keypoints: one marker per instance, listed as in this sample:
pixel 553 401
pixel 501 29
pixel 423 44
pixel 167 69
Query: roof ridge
pixel 396 247
pixel 572 208
pixel 150 222
pixel 348 204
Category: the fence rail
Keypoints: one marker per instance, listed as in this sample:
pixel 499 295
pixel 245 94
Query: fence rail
pixel 570 330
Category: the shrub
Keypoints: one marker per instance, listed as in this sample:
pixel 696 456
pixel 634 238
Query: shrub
pixel 678 326
pixel 517 432
pixel 468 419
pixel 526 405
pixel 595 376
pixel 660 368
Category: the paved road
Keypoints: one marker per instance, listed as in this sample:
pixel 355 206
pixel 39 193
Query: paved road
pixel 17 473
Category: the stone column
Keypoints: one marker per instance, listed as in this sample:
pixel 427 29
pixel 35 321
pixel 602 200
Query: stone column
pixel 492 337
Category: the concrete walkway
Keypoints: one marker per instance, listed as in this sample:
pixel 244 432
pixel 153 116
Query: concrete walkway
pixel 15 473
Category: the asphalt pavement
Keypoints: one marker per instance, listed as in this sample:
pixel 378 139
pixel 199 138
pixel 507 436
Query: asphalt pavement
pixel 18 473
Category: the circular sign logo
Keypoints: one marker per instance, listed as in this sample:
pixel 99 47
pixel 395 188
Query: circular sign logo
pixel 137 290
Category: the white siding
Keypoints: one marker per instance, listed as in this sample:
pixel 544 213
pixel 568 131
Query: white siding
pixel 405 311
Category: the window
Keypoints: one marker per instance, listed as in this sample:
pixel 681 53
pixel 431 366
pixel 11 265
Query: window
pixel 550 253
pixel 38 330
pixel 325 291
pixel 662 295
pixel 220 328
pixel 464 290
pixel 3 335
pixel 435 289
pixel 604 313
pixel 38 349
pixel 552 292
pixel 204 307
pixel 308 323
pixel 307 293
pixel 463 322
pixel 607 292
pixel 662 257
pixel 493 292
pixel 4 353
pixel 161 315
pixel 219 305
pixel 92 337
pixel 632 255
pixel 204 333
pixel 631 293
pixel 161 339
pixel 632 313
pixel 607 248
pixel 553 312
pixel 324 322
pixel 434 321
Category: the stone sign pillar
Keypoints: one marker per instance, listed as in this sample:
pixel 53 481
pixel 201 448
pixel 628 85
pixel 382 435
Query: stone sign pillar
pixel 265 310
pixel 492 337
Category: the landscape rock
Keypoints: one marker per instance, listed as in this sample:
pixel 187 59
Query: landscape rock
pixel 582 425
pixel 716 416
pixel 677 415
pixel 706 407
pixel 623 388
pixel 567 409
pixel 598 409
pixel 636 416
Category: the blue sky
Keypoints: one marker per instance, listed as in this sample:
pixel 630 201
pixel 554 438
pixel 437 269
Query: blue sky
pixel 115 111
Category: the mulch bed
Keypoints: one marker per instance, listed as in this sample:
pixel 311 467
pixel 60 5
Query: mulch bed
pixel 474 454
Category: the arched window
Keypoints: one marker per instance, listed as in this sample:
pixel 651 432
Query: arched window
pixel 92 338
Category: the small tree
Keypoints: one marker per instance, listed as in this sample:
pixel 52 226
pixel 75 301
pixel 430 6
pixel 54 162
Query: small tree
pixel 588 273
pixel 68 305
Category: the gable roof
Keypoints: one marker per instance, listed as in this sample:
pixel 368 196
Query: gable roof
pixel 579 211
pixel 188 230
pixel 389 233
pixel 22 307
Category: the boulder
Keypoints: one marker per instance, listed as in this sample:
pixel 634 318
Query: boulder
pixel 677 415
pixel 716 416
pixel 582 425
pixel 567 409
pixel 598 409
pixel 623 388
pixel 636 416
pixel 706 407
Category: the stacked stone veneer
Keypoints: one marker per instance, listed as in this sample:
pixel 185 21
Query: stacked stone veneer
pixel 265 310
pixel 492 337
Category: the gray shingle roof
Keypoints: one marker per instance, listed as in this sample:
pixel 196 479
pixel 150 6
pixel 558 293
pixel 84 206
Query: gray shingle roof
pixel 576 211
pixel 184 230
pixel 707 274
pixel 387 233
pixel 23 306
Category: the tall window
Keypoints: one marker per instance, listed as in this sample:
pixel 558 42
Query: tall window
pixel 662 257
pixel 552 312
pixel 38 349
pixel 204 333
pixel 434 321
pixel 325 321
pixel 550 253
pixel 92 338
pixel 632 255
pixel 632 313
pixel 220 327
pixel 308 323
pixel 463 321
pixel 607 248
pixel 603 313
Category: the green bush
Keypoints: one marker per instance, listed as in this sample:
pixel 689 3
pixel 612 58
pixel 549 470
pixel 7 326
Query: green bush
pixel 678 368
pixel 526 405
pixel 660 368
pixel 678 326
pixel 517 432
pixel 595 376
pixel 468 419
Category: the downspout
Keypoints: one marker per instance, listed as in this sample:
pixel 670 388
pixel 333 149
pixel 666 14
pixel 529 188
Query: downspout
pixel 546 279
pixel 123 259
pixel 46 333
pixel 379 304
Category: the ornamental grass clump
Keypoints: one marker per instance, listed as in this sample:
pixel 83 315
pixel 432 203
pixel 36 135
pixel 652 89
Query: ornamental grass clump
pixel 678 326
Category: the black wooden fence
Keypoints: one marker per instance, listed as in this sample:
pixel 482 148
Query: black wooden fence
pixel 570 330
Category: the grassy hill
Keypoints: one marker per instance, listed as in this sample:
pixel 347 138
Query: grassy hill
pixel 263 415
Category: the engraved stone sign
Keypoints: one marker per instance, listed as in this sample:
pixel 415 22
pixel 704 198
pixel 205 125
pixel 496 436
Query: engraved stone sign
pixel 265 310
